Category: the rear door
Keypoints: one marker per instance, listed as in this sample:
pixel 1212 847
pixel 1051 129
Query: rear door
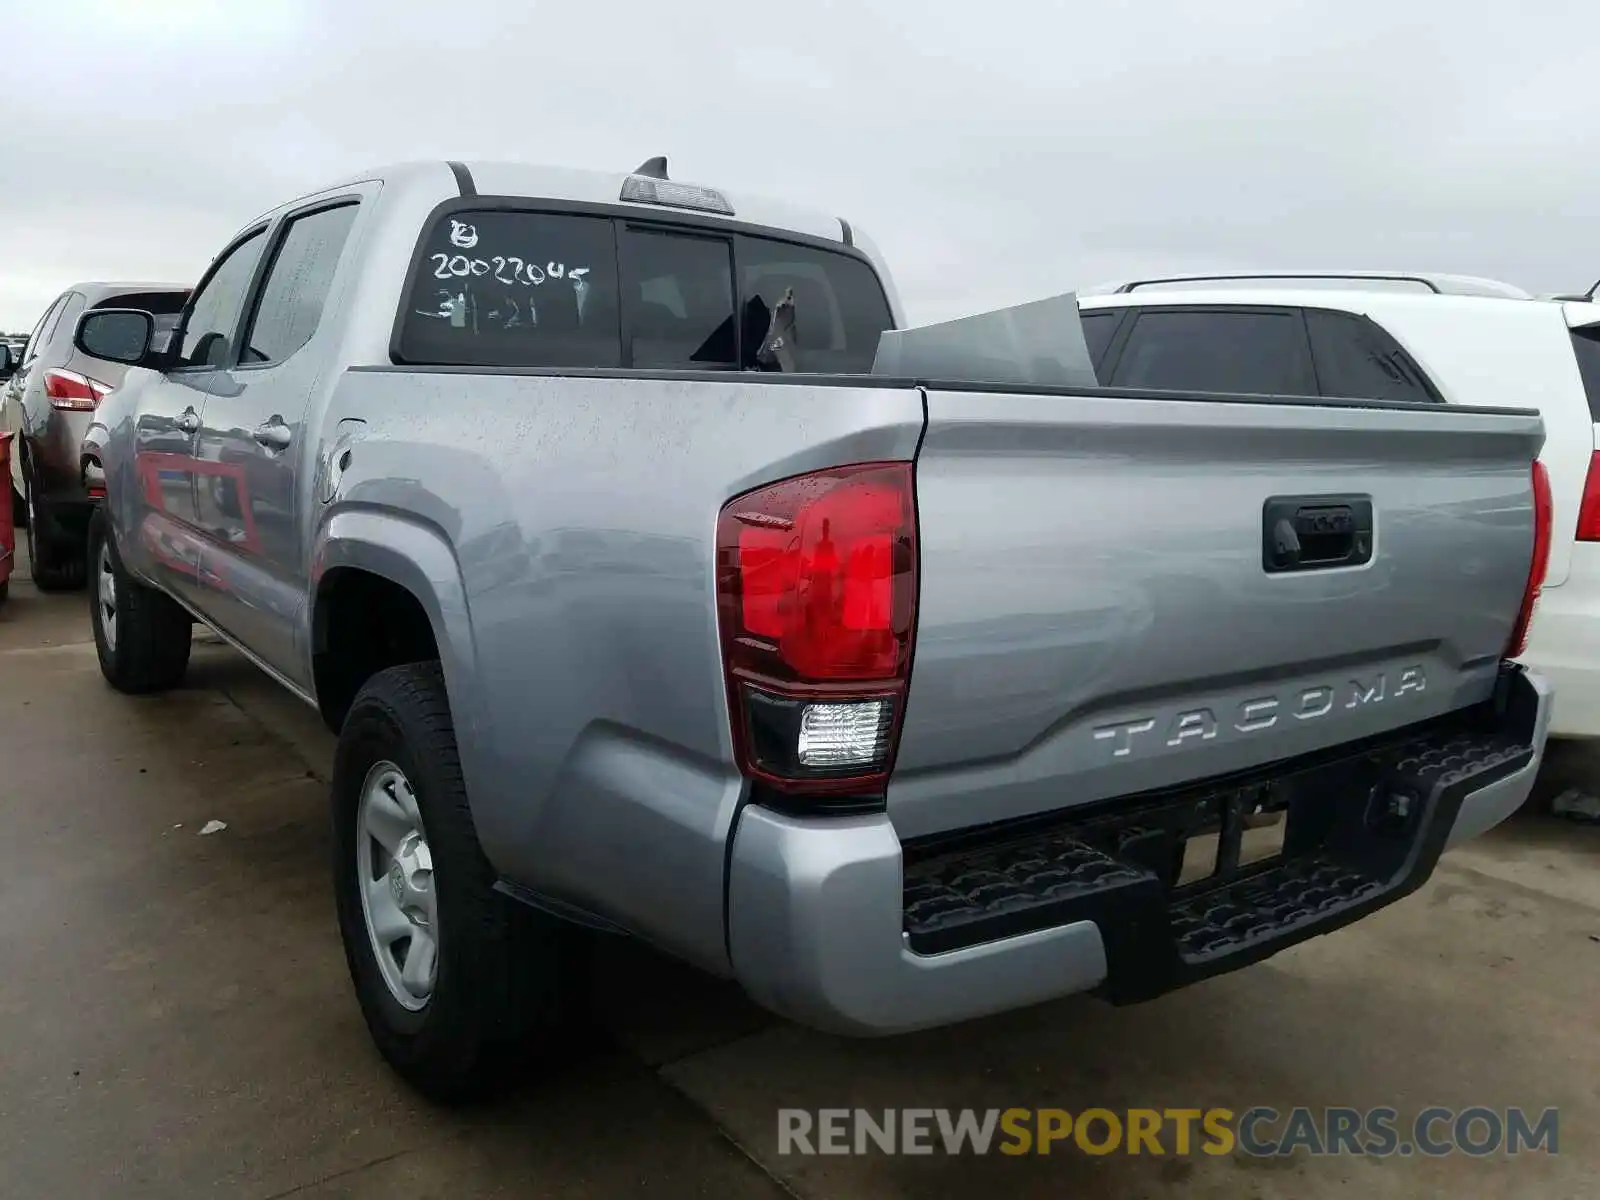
pixel 252 453
pixel 15 388
pixel 57 405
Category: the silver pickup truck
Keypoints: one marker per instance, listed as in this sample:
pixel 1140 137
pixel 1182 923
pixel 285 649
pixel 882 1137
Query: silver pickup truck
pixel 640 603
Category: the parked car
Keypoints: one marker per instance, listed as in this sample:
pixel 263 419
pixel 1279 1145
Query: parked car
pixel 48 403
pixel 1409 337
pixel 898 700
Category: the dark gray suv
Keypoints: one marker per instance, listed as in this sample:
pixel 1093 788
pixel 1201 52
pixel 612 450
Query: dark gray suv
pixel 48 403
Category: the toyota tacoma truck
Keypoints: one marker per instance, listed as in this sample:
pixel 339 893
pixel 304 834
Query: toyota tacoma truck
pixel 640 602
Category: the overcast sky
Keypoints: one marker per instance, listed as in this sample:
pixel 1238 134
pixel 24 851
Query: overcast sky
pixel 998 151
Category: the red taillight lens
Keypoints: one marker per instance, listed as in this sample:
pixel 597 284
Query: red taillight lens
pixel 817 592
pixel 1542 518
pixel 72 391
pixel 1589 510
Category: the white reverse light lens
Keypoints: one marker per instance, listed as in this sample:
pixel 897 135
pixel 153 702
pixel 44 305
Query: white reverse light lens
pixel 844 735
pixel 643 190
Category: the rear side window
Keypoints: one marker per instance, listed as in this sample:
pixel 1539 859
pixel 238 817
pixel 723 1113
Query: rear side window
pixel 297 286
pixel 36 339
pixel 1256 352
pixel 512 289
pixel 1097 330
pixel 1586 345
pixel 1356 359
pixel 63 320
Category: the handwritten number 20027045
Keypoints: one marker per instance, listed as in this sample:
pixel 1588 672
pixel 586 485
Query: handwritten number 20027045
pixel 508 270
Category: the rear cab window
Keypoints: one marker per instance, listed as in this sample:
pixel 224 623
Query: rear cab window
pixel 679 302
pixel 552 289
pixel 515 289
pixel 839 305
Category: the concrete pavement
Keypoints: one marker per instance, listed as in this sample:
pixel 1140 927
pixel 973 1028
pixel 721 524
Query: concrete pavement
pixel 175 1018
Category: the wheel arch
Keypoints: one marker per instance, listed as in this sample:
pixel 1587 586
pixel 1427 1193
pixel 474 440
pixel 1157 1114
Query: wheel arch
pixel 379 561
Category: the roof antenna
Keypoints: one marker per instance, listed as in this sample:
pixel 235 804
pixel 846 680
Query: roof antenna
pixel 653 168
pixel 1589 295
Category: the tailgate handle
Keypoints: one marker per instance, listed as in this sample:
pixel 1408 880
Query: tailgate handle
pixel 1314 533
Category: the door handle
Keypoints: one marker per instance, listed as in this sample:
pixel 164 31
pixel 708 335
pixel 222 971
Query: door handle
pixel 274 435
pixel 189 421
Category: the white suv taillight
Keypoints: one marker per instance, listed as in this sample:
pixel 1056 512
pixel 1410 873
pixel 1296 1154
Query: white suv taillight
pixel 1540 561
pixel 72 391
pixel 1589 509
pixel 817 598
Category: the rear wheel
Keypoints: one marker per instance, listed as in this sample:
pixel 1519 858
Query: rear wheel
pixel 461 987
pixel 142 636
pixel 19 509
pixel 57 566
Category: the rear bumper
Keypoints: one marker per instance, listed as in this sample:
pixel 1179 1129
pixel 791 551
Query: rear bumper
pixel 53 454
pixel 55 445
pixel 838 925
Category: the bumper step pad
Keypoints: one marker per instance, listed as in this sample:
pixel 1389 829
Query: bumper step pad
pixel 1257 909
pixel 1362 830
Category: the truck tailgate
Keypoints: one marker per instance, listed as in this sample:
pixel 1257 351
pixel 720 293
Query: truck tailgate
pixel 1097 616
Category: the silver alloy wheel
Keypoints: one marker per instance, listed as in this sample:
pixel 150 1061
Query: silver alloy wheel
pixel 394 870
pixel 107 597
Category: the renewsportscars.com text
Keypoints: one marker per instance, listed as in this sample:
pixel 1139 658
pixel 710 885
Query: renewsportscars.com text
pixel 1258 1132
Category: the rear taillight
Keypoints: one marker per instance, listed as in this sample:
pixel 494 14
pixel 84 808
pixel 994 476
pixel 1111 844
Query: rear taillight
pixel 1539 563
pixel 817 598
pixel 1589 510
pixel 72 391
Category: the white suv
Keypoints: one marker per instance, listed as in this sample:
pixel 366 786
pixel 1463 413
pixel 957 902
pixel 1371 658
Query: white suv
pixel 1410 337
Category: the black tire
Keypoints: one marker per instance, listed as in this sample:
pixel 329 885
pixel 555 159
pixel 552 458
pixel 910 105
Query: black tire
pixel 510 981
pixel 149 651
pixel 56 566
pixel 19 509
